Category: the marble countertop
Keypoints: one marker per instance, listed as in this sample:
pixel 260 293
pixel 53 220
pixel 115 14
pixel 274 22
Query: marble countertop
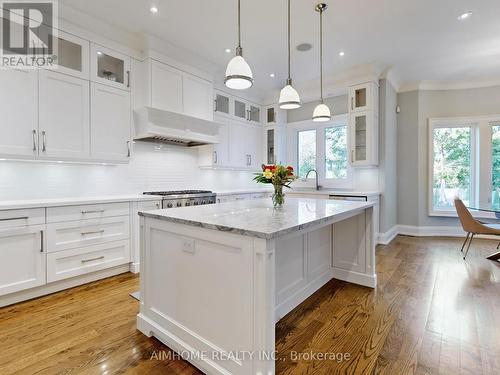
pixel 243 191
pixel 56 202
pixel 258 218
pixel 355 193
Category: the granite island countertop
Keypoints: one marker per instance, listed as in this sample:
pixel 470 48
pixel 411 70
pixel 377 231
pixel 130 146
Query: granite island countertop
pixel 258 218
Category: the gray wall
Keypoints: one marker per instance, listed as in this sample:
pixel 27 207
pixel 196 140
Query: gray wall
pixel 387 154
pixel 337 105
pixel 416 109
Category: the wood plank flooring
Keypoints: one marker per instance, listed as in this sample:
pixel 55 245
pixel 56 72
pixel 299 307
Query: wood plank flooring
pixel 432 313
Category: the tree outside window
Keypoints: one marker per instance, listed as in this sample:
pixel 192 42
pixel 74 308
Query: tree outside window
pixel 336 152
pixel 306 152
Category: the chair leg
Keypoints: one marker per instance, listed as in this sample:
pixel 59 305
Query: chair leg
pixel 468 247
pixel 498 247
pixel 466 239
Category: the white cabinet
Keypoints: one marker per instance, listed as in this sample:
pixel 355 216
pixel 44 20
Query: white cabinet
pixel 110 123
pixel 217 155
pixel 109 67
pixel 22 258
pixel 363 124
pixel 64 128
pixel 244 110
pixel 238 154
pixel 197 97
pixel 19 111
pixel 254 146
pixel 166 87
pixel 72 55
pixel 222 103
pixel 177 91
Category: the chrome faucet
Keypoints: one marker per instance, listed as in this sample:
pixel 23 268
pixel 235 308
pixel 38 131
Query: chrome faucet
pixel 316 172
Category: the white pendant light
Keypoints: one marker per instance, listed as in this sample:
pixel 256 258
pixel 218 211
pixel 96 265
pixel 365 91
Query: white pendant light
pixel 238 73
pixel 289 97
pixel 321 112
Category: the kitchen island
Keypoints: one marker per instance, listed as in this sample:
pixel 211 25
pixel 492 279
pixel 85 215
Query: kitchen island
pixel 215 279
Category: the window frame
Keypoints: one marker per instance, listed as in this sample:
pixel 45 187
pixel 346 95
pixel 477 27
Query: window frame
pixel 320 127
pixel 481 160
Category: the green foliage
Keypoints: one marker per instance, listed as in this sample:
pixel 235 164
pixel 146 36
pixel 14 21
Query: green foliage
pixel 336 152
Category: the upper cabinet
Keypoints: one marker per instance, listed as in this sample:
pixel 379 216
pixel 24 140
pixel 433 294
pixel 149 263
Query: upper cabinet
pixel 174 90
pixel 72 55
pixel 236 108
pixel 109 67
pixel 363 124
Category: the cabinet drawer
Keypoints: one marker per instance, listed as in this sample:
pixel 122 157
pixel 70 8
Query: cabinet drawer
pixel 76 262
pixel 90 211
pixel 72 234
pixel 21 218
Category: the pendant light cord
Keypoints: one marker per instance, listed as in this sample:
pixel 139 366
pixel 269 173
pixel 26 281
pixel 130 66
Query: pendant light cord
pixel 239 23
pixel 289 74
pixel 321 51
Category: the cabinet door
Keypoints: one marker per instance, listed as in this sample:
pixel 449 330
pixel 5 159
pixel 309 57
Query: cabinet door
pixel 361 96
pixel 72 55
pixel 270 147
pixel 254 113
pixel 238 155
pixel 19 110
pixel 64 116
pixel 270 115
pixel 240 109
pixel 22 259
pixel 110 123
pixel 364 150
pixel 222 103
pixel 254 146
pixel 110 67
pixel 197 97
pixel 221 149
pixel 166 87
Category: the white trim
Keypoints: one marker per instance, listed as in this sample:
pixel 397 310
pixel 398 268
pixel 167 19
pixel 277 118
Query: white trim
pixel 447 86
pixel 436 231
pixel 387 237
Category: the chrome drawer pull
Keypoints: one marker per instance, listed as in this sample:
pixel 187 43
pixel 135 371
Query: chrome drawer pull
pixel 92 212
pixel 15 218
pixel 91 260
pixel 93 232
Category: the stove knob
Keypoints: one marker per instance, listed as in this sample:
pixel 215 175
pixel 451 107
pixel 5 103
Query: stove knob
pixel 179 204
pixel 204 202
pixel 169 205
pixel 196 203
pixel 187 204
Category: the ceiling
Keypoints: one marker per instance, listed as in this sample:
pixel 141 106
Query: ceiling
pixel 420 40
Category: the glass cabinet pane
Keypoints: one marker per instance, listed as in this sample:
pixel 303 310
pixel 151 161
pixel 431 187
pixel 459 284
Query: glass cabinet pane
pixel 69 54
pixel 360 138
pixel 271 115
pixel 240 109
pixel 270 147
pixel 110 68
pixel 360 97
pixel 222 104
pixel 254 114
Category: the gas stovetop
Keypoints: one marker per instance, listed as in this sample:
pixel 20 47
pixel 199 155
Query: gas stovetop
pixel 184 198
pixel 178 192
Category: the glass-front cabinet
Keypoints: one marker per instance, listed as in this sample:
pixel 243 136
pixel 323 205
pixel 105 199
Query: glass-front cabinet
pixel 240 109
pixel 363 97
pixel 72 55
pixel 222 103
pixel 253 113
pixel 270 148
pixel 110 67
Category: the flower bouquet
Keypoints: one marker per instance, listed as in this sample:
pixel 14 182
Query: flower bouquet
pixel 278 175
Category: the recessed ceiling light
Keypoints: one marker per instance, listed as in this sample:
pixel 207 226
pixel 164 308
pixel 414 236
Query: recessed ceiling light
pixel 304 47
pixel 271 75
pixel 464 16
pixel 341 53
pixel 153 9
pixel 228 50
pixel 99 53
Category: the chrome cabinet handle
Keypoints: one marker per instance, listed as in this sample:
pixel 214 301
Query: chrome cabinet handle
pixel 352 103
pixel 15 218
pixel 352 156
pixel 128 149
pixel 215 105
pixel 128 78
pixel 215 157
pixel 41 241
pixel 44 141
pixel 157 205
pixel 92 259
pixel 34 140
pixel 93 232
pixel 92 212
pixel 250 160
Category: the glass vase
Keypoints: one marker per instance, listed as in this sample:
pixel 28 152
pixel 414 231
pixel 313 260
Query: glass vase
pixel 278 196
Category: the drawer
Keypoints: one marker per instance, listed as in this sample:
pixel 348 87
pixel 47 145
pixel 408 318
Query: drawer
pixel 150 205
pixel 21 218
pixel 76 262
pixel 72 234
pixel 90 211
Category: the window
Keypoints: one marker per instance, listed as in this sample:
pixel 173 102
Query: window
pixel 306 152
pixel 464 162
pixel 495 164
pixel 336 152
pixel 324 148
pixel 452 166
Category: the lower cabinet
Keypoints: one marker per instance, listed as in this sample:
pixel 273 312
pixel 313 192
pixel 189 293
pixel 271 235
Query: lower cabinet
pixel 22 258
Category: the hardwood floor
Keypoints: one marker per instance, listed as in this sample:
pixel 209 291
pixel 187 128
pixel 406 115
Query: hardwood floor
pixel 432 313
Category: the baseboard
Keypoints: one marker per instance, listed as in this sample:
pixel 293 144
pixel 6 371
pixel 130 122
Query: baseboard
pixel 435 231
pixel 355 277
pixel 387 237
pixel 135 267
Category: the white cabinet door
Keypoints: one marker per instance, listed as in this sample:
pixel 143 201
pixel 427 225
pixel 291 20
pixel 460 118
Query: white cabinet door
pixel 254 146
pixel 19 111
pixel 238 157
pixel 166 87
pixel 22 259
pixel 110 123
pixel 72 55
pixel 110 67
pixel 64 116
pixel 197 97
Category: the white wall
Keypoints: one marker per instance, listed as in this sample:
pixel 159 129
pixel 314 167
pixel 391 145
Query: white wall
pixel 152 168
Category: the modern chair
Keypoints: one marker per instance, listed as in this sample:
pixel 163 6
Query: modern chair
pixel 472 226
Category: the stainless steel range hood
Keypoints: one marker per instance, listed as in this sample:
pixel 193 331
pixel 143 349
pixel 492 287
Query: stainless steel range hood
pixel 156 125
